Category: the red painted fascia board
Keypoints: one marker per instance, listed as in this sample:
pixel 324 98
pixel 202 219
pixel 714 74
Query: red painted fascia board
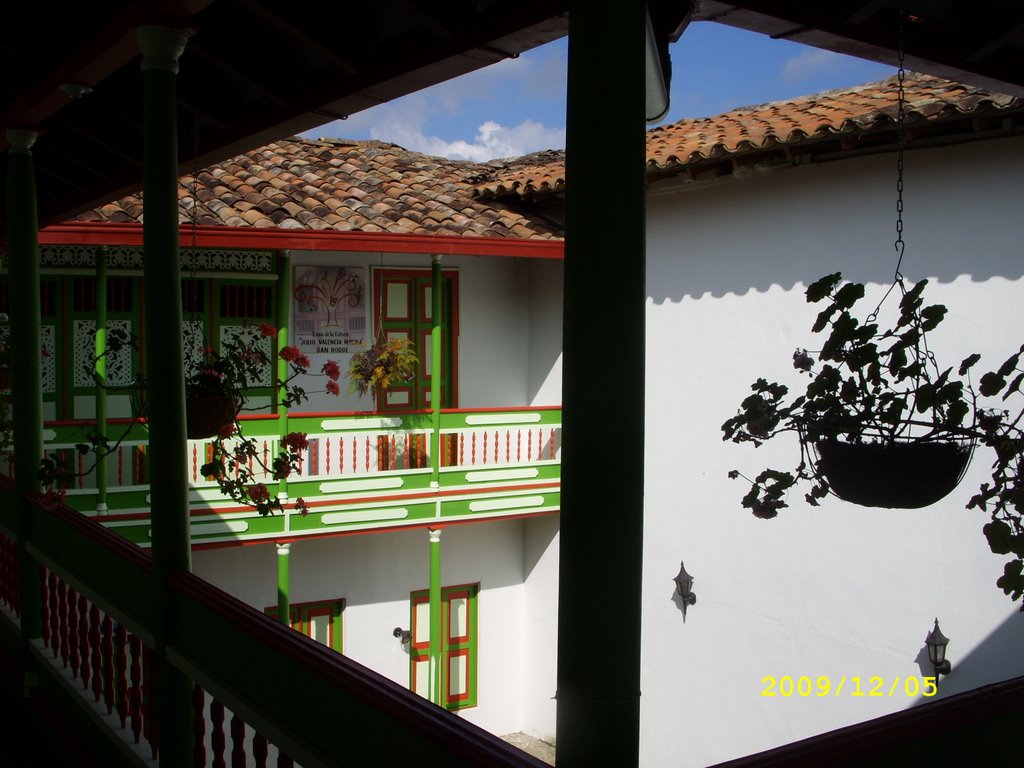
pixel 101 233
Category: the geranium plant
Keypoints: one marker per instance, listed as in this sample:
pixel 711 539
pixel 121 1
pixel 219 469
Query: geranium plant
pixel 883 389
pixel 237 462
pixel 387 363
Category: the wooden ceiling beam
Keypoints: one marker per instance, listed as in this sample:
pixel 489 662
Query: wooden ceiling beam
pixel 300 37
pixel 101 55
pixel 244 80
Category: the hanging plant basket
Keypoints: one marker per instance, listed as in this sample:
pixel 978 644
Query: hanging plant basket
pixel 207 414
pixel 894 475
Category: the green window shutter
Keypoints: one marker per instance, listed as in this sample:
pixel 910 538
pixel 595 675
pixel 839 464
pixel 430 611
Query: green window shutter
pixel 459 639
pixel 320 620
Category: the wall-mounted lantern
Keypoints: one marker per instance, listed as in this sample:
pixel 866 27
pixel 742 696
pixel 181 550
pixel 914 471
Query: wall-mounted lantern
pixel 937 642
pixel 684 588
pixel 403 635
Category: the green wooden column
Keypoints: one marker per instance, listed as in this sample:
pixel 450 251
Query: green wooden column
pixel 436 370
pixel 284 298
pixel 283 578
pixel 601 525
pixel 101 372
pixel 165 374
pixel 26 367
pixel 436 694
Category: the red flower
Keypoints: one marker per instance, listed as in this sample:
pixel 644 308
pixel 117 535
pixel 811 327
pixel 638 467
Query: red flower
pixel 227 430
pixel 300 506
pixel 52 499
pixel 301 362
pixel 295 441
pixel 290 353
pixel 258 492
pixel 332 388
pixel 266 329
pixel 331 370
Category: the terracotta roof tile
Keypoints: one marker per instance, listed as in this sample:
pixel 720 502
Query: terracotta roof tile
pixel 378 187
pixel 747 130
pixel 824 115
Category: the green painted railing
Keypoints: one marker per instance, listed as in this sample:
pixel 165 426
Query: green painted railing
pixel 361 470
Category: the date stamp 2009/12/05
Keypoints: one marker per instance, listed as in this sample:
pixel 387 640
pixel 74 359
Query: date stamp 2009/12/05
pixel 806 686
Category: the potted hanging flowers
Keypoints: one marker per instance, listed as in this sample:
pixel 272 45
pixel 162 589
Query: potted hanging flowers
pixel 881 424
pixel 217 382
pixel 239 465
pixel 387 363
pixel 218 386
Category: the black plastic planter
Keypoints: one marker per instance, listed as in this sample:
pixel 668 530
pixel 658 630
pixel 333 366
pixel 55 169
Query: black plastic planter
pixel 207 414
pixel 892 475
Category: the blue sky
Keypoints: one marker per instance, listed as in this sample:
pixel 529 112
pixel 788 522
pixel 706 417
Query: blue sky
pixel 518 106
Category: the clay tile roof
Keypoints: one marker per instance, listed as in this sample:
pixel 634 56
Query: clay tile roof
pixel 374 186
pixel 743 133
pixel 825 115
pixel 370 186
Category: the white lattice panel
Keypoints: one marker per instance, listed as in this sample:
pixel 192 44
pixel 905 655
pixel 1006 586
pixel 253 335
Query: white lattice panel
pixel 119 363
pixel 193 340
pixel 251 336
pixel 49 336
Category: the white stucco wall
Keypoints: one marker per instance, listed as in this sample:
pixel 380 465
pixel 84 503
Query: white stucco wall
pixel 545 367
pixel 540 625
pixel 510 328
pixel 375 574
pixel 840 590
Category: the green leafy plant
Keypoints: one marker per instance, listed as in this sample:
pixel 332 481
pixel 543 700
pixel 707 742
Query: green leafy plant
pixel 387 363
pixel 883 387
pixel 237 462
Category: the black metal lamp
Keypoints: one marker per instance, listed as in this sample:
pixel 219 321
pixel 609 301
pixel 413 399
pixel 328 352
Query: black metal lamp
pixel 937 642
pixel 403 635
pixel 684 588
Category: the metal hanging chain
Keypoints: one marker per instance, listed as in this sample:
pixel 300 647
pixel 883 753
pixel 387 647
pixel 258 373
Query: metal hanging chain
pixel 901 96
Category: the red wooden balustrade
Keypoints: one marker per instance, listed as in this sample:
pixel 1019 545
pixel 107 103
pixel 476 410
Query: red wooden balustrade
pixel 100 654
pixel 9 574
pixel 115 668
pixel 210 748
pixel 497 447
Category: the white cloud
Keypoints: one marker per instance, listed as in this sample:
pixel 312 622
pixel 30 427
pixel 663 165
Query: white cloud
pixel 525 93
pixel 492 140
pixel 809 63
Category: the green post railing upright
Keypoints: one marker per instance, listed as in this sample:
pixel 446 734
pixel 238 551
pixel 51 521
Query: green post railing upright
pixel 283 578
pixel 436 368
pixel 436 694
pixel 601 523
pixel 284 297
pixel 101 372
pixel 26 366
pixel 165 375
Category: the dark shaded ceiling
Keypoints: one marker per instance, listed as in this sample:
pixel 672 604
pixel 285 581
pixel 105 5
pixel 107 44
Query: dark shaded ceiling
pixel 253 71
pixel 258 70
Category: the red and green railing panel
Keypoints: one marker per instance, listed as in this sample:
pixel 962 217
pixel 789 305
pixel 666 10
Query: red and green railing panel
pixel 360 471
pixel 501 446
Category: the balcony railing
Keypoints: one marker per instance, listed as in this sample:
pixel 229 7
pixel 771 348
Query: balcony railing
pixel 496 453
pixel 263 693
